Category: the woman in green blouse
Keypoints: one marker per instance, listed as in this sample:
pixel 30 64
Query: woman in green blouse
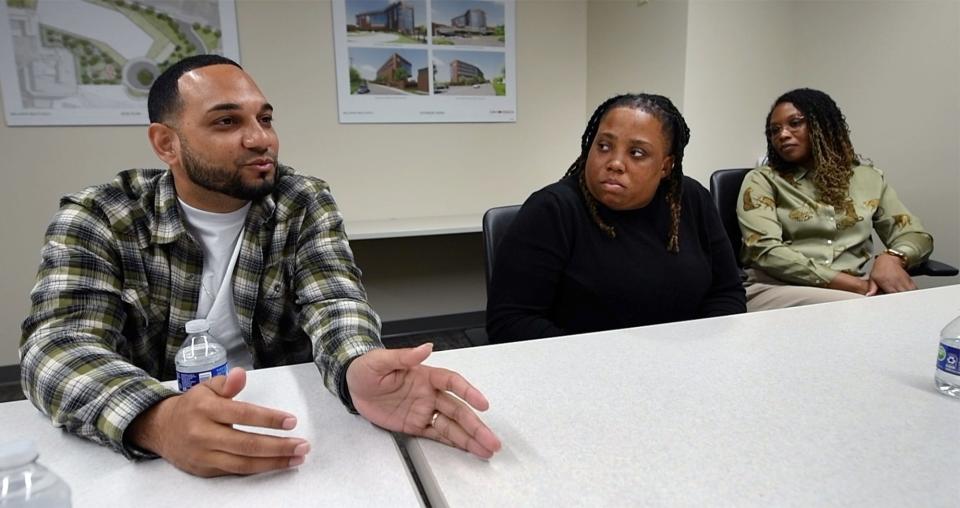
pixel 807 216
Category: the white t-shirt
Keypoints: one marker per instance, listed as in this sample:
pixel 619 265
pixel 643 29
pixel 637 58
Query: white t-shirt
pixel 219 235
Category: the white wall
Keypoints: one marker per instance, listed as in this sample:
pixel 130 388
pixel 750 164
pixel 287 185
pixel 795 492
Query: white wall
pixel 739 59
pixel 635 46
pixel 423 276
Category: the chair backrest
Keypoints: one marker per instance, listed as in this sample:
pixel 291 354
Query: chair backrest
pixel 495 224
pixel 724 188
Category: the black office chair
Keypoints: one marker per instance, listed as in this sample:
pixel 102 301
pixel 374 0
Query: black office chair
pixel 496 221
pixel 495 224
pixel 725 188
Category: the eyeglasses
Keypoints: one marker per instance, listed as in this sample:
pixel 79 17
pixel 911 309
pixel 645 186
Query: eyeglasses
pixel 793 125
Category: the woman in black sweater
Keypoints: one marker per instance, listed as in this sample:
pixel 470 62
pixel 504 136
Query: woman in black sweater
pixel 622 240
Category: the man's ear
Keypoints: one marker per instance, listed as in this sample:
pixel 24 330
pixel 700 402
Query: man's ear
pixel 165 143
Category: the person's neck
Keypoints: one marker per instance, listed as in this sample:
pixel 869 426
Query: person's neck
pixel 207 200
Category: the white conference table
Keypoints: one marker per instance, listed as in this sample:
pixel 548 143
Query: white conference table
pixel 351 462
pixel 825 405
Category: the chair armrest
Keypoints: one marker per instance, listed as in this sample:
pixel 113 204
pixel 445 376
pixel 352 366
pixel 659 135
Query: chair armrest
pixel 934 268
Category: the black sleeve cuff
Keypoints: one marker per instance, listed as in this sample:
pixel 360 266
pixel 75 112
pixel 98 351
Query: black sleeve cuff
pixel 342 391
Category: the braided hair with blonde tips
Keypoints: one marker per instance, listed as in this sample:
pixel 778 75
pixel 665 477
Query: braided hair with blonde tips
pixel 831 150
pixel 674 129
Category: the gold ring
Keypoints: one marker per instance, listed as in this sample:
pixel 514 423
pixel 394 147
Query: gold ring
pixel 433 420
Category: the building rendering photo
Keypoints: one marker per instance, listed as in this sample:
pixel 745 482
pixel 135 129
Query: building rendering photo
pixel 463 72
pixel 468 23
pixel 396 17
pixel 393 68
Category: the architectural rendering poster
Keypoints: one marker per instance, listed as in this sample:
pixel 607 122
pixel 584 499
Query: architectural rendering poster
pixel 425 60
pixel 91 62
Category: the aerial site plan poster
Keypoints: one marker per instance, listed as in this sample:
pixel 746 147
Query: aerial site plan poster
pixel 91 62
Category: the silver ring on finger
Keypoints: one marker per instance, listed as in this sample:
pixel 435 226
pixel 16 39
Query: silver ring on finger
pixel 433 419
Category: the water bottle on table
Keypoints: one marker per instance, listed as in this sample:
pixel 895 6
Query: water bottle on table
pixel 948 360
pixel 26 484
pixel 200 357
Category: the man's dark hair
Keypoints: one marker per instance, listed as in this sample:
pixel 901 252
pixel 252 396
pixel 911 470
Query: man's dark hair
pixel 832 152
pixel 674 129
pixel 164 100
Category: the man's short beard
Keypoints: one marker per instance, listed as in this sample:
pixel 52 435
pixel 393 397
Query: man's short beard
pixel 224 180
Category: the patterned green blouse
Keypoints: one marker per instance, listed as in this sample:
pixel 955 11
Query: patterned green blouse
pixel 790 235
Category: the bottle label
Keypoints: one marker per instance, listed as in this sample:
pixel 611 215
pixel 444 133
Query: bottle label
pixel 948 359
pixel 186 380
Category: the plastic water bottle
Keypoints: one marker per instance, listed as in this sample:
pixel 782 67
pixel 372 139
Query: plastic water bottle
pixel 200 357
pixel 26 484
pixel 948 360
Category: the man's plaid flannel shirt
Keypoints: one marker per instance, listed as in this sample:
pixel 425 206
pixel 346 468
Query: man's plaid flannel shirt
pixel 120 276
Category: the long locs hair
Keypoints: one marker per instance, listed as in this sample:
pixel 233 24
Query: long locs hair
pixel 832 152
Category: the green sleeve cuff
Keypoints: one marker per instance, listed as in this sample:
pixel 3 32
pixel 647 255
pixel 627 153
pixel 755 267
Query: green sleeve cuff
pixel 127 403
pixel 824 275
